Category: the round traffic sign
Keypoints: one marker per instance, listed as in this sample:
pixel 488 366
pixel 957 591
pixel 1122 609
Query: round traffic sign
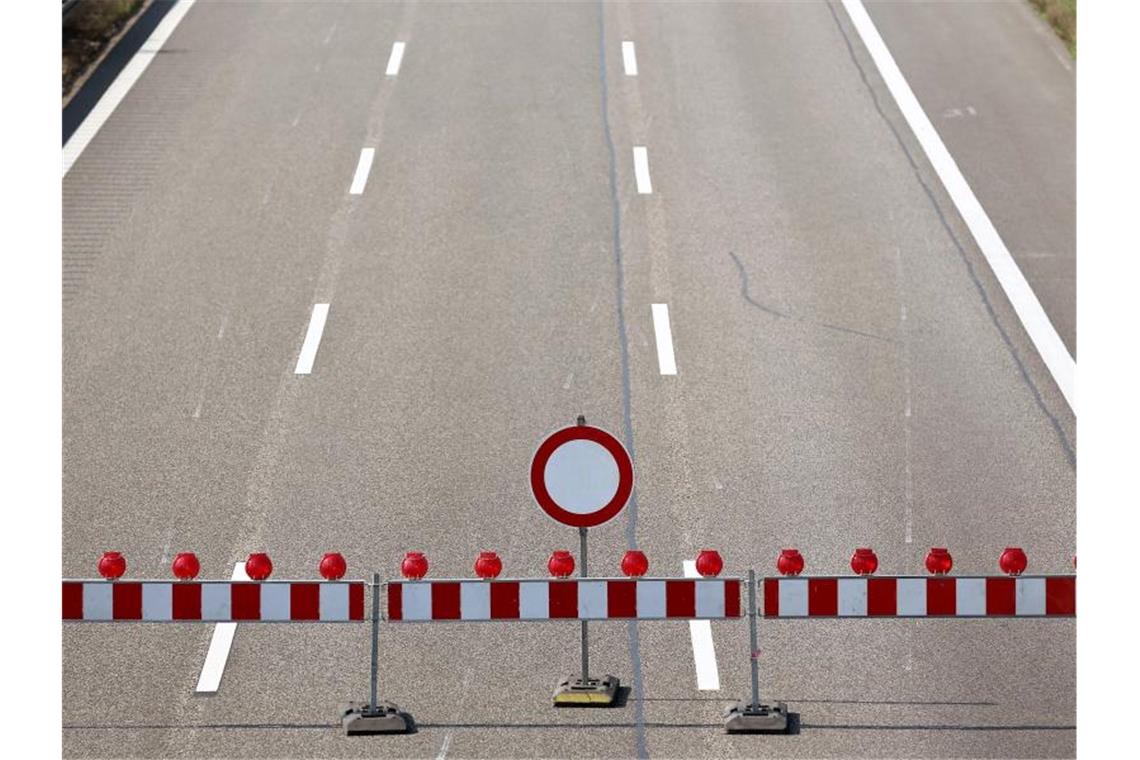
pixel 581 476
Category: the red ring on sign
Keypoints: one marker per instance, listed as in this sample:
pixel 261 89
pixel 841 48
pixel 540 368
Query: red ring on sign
pixel 581 432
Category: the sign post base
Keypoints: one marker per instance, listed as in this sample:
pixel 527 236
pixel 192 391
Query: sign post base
pixel 358 718
pixel 593 692
pixel 744 718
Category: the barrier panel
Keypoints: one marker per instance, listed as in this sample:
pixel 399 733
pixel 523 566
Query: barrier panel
pixel 489 599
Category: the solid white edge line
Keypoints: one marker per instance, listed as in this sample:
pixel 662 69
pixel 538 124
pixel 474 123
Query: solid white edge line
pixel 666 361
pixel 220 642
pixel 395 58
pixel 629 58
pixel 363 168
pixel 123 83
pixel 641 170
pixel 312 339
pixel 1037 324
pixel 704 654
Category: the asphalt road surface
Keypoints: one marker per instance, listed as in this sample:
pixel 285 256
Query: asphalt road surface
pixel 848 370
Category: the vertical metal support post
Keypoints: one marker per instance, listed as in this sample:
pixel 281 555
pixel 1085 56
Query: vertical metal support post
pixel 375 641
pixel 755 655
pixel 585 631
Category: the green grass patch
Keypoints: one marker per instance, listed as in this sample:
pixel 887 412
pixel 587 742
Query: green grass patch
pixel 1062 16
pixel 87 30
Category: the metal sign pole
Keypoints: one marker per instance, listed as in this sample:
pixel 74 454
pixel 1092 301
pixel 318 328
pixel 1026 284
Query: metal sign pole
pixel 585 630
pixel 752 636
pixel 749 717
pixel 376 640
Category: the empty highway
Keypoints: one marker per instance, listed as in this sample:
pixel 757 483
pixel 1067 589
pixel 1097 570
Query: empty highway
pixel 331 271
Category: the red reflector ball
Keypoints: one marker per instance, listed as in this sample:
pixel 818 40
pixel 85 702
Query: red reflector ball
pixel 939 561
pixel 790 562
pixel 258 567
pixel 414 566
pixel 488 565
pixel 709 563
pixel 635 564
pixel 1013 561
pixel 185 566
pixel 864 562
pixel 332 566
pixel 560 564
pixel 112 565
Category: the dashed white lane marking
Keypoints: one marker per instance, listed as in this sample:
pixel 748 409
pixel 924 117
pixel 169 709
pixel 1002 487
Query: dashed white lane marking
pixel 443 750
pixel 312 339
pixel 1041 331
pixel 395 58
pixel 122 84
pixel 363 167
pixel 629 58
pixel 220 643
pixel 704 655
pixel 666 362
pixel 641 170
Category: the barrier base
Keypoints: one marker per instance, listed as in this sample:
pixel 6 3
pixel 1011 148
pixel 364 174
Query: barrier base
pixel 358 718
pixel 595 692
pixel 741 718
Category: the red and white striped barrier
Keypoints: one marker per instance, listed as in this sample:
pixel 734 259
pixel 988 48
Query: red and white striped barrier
pixel 573 599
pixel 214 601
pixel 910 596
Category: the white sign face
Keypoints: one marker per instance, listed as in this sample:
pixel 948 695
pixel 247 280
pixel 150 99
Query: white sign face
pixel 581 476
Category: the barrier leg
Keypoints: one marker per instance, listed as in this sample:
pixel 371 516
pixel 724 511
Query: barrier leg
pixel 374 717
pixel 753 717
pixel 580 690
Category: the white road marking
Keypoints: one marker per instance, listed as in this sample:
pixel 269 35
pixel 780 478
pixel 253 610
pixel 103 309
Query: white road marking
pixel 220 643
pixel 443 750
pixel 363 167
pixel 122 85
pixel 704 655
pixel 629 58
pixel 395 58
pixel 312 339
pixel 641 170
pixel 1041 331
pixel 666 362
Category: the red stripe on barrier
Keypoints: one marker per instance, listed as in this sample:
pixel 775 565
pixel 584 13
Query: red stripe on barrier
pixel 395 601
pixel 1061 596
pixel 771 597
pixel 304 601
pixel 356 601
pixel 680 599
pixel 882 597
pixel 732 598
pixel 563 599
pixel 823 596
pixel 1001 596
pixel 505 600
pixel 126 601
pixel 245 601
pixel 186 601
pixel 621 599
pixel 445 601
pixel 941 596
pixel 72 601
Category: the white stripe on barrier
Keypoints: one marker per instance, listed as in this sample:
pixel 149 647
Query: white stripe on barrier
pixel 534 601
pixel 651 599
pixel 911 597
pixel 474 601
pixel 417 601
pixel 794 598
pixel 275 602
pixel 1030 596
pixel 216 601
pixel 157 601
pixel 970 596
pixel 97 603
pixel 333 601
pixel 592 596
pixel 710 599
pixel 852 597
